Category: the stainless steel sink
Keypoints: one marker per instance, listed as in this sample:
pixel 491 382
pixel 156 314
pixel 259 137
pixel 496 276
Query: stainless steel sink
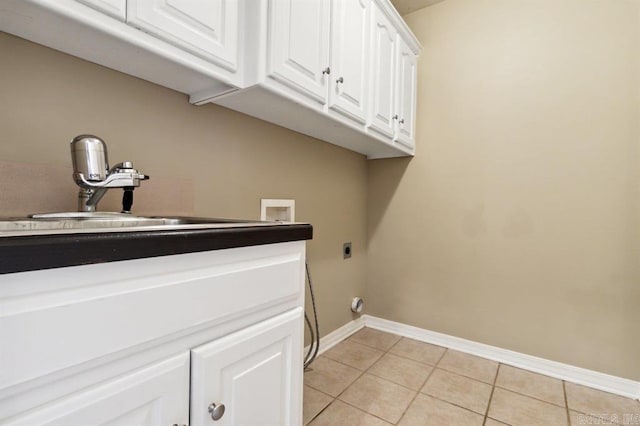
pixel 73 222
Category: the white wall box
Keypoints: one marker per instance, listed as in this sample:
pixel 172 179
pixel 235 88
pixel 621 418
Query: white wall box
pixel 156 340
pixel 313 66
pixel 277 210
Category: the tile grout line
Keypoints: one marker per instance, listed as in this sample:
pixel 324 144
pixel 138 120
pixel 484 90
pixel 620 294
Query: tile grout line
pixel 394 354
pixel 400 384
pixel 384 352
pixel 381 378
pixel 441 356
pixel 451 403
pixel 418 392
pixel 318 390
pixel 531 397
pixel 438 398
pixel 365 412
pixel 414 396
pixel 374 347
pixel 388 351
pixel 362 373
pixel 566 402
pixel 465 376
pixel 493 388
pixel 320 412
pixel 359 375
pixel 336 398
pixel 347 365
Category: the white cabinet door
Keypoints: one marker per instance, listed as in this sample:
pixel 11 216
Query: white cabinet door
pixel 298 52
pixel 349 58
pixel 115 8
pixel 256 373
pixel 407 87
pixel 154 395
pixel 383 73
pixel 207 28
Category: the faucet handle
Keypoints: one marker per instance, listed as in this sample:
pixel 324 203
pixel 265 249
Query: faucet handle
pixel 125 165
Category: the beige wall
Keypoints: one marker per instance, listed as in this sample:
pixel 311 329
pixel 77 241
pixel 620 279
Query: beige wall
pixel 517 224
pixel 205 160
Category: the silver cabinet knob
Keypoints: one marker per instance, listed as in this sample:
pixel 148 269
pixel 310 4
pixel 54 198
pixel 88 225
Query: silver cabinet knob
pixel 216 410
pixel 340 80
pixel 327 71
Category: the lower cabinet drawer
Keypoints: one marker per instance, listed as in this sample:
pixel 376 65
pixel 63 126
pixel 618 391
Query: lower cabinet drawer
pixel 253 376
pixel 154 395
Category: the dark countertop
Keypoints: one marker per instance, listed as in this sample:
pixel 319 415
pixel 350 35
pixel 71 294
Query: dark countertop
pixel 35 252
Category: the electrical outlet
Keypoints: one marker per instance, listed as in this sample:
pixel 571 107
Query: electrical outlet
pixel 346 250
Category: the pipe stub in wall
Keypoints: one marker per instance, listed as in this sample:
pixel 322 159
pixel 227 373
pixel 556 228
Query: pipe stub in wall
pixel 356 305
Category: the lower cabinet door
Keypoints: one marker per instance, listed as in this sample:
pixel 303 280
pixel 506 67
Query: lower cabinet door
pixel 251 377
pixel 154 395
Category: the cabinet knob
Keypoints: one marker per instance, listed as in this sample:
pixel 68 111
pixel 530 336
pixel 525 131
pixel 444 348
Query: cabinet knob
pixel 401 121
pixel 395 117
pixel 326 71
pixel 216 410
pixel 340 80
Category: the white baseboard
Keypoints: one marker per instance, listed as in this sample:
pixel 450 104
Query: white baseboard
pixel 581 376
pixel 338 335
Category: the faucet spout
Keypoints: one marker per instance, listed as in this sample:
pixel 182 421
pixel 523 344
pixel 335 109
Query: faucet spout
pixel 88 199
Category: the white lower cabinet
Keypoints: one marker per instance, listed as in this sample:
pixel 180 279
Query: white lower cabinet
pixel 115 8
pixel 156 341
pixel 249 377
pixel 156 395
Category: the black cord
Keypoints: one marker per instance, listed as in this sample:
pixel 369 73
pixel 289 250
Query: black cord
pixel 308 355
pixel 315 345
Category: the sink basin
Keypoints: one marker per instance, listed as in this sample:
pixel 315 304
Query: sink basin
pixel 111 222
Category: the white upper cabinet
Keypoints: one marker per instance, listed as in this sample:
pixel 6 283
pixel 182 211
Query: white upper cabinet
pixel 349 54
pixel 207 28
pixel 383 71
pixel 342 71
pixel 115 8
pixel 298 53
pixel 393 82
pixel 407 87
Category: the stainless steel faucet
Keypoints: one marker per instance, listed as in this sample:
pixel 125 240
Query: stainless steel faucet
pixel 92 174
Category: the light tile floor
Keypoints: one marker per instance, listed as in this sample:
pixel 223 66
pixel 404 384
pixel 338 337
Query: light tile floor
pixel 376 378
